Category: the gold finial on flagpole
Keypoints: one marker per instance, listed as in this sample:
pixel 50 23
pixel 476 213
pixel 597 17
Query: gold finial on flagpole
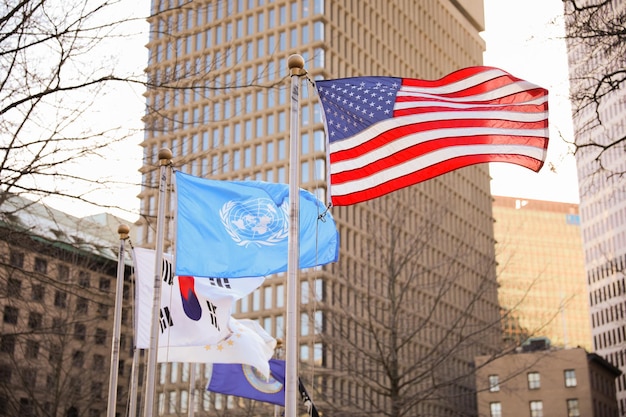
pixel 165 156
pixel 296 64
pixel 123 231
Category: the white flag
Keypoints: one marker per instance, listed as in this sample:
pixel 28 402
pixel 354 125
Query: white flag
pixel 247 344
pixel 193 311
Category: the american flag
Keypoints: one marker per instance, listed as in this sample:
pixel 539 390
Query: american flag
pixel 386 133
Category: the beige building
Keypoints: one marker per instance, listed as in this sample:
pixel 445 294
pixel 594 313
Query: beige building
pixel 539 381
pixel 541 271
pixel 600 167
pixel 58 277
pixel 416 280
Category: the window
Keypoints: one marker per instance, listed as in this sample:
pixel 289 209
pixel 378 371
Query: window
pixel 63 273
pixel 105 284
pixel 41 265
pixel 10 314
pixel 17 259
pixel 35 320
pixel 83 279
pixel 7 343
pixel 534 381
pixel 570 378
pixel 37 292
pixel 495 409
pixel 98 362
pixel 60 299
pixel 78 359
pixel 572 408
pixel 100 336
pixel 80 331
pixel 14 287
pixel 32 349
pixel 536 409
pixel 82 305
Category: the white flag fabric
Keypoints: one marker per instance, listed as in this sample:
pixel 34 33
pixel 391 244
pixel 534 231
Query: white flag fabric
pixel 193 311
pixel 248 343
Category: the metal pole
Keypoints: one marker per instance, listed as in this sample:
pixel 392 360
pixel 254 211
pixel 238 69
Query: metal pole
pixel 296 68
pixel 165 158
pixel 117 319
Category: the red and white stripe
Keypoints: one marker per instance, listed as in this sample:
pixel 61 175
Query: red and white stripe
pixel 472 116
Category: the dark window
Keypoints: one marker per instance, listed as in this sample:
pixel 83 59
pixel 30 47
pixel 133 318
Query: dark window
pixel 14 288
pixel 41 265
pixel 17 259
pixel 32 349
pixel 126 294
pixel 96 389
pixel 103 310
pixel 34 320
pixel 29 376
pixel 98 362
pixel 82 305
pixel 63 273
pixel 10 314
pixel 78 359
pixel 60 299
pixel 27 409
pixel 120 368
pixel 105 284
pixel 5 373
pixel 83 279
pixel 56 354
pixel 101 336
pixel 37 292
pixel 7 343
pixel 80 331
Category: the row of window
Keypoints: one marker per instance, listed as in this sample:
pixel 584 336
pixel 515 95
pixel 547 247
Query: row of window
pixel 9 341
pixel 534 380
pixel 536 408
pixel 40 265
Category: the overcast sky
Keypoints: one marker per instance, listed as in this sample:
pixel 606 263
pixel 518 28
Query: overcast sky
pixel 525 38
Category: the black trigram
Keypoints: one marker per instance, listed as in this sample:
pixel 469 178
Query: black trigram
pixel 165 319
pixel 167 274
pixel 213 314
pixel 220 282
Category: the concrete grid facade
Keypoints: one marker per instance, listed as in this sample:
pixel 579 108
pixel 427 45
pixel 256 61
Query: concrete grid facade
pixel 602 196
pixel 224 113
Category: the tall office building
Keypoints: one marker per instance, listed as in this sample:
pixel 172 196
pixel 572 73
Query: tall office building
pixel 397 321
pixel 541 271
pixel 602 184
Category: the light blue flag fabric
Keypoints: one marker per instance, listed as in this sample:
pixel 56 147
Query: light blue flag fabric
pixel 235 229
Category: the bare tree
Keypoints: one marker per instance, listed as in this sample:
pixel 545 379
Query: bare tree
pixel 596 39
pixel 401 334
pixel 59 73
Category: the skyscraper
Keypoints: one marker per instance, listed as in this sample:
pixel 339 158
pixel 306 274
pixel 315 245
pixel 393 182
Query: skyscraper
pixel 396 322
pixel 541 271
pixel 598 122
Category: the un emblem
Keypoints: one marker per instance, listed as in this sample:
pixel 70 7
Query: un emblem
pixel 258 381
pixel 256 221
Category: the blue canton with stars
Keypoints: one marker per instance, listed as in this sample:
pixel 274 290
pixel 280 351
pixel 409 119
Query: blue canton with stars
pixel 353 104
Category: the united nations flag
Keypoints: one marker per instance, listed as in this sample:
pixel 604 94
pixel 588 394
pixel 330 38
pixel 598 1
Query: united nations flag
pixel 235 229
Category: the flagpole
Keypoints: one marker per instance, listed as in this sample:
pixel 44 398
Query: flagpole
pixel 134 378
pixel 117 318
pixel 165 159
pixel 296 69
